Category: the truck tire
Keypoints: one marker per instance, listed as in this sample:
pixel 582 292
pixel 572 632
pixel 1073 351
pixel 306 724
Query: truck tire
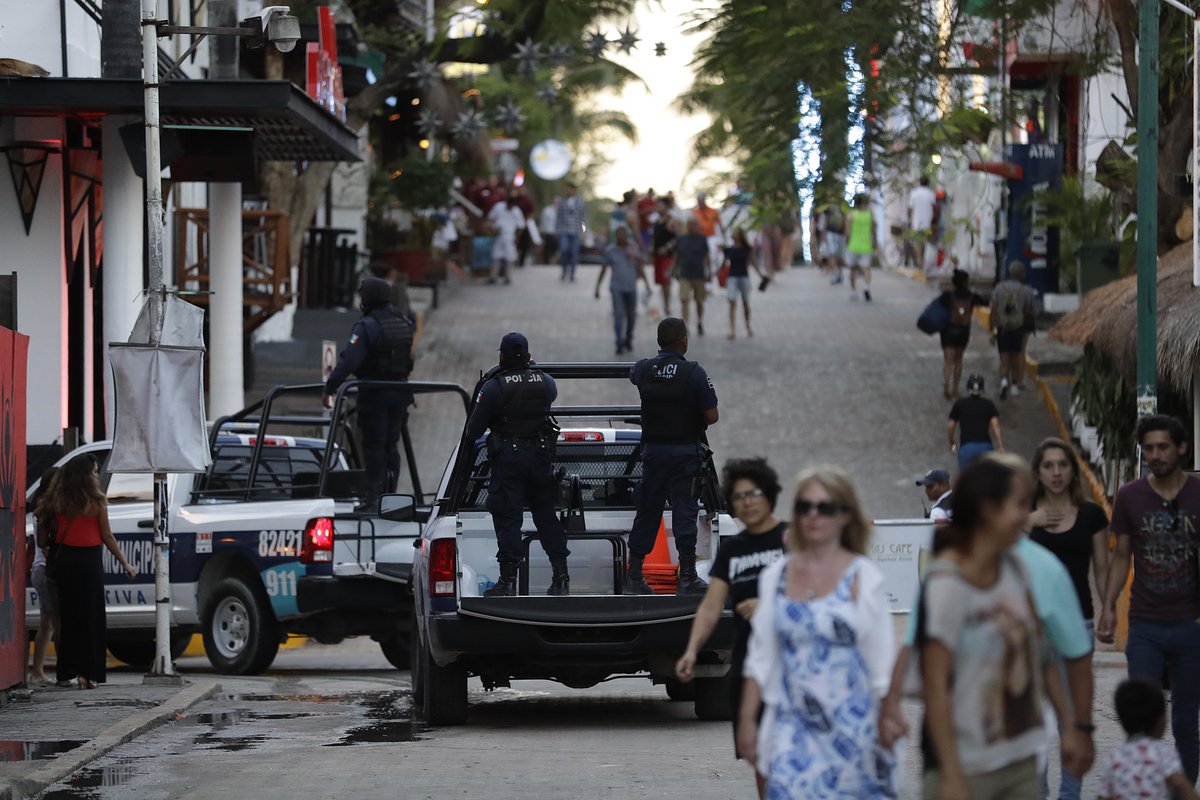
pixel 439 693
pixel 712 699
pixel 679 691
pixel 397 649
pixel 140 652
pixel 241 635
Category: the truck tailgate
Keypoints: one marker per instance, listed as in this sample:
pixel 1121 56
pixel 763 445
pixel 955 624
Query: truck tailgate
pixel 582 611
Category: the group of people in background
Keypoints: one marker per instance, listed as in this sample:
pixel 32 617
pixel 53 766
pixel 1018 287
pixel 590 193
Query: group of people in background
pixel 846 238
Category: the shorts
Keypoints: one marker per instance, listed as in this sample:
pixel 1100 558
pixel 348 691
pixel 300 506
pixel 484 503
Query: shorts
pixel 858 260
pixel 738 286
pixel 834 245
pixel 1019 779
pixel 693 287
pixel 956 336
pixel 662 269
pixel 1010 341
pixel 47 592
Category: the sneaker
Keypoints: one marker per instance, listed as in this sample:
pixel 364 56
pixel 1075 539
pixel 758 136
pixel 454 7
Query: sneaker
pixel 836 280
pixel 867 295
pixel 1004 389
pixel 1014 391
pixel 699 328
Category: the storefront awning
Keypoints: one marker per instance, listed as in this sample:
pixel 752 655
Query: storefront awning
pixel 287 124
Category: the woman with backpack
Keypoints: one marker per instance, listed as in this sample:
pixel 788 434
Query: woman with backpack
pixel 1012 313
pixel 960 301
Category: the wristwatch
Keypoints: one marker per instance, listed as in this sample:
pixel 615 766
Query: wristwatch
pixel 1085 727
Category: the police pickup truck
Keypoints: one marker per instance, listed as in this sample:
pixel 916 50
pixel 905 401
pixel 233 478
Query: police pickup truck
pixel 596 632
pixel 271 541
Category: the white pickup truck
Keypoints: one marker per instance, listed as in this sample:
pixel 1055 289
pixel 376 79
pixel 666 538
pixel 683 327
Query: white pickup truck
pixel 271 541
pixel 596 632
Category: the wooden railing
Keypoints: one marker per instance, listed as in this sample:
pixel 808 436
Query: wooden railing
pixel 266 262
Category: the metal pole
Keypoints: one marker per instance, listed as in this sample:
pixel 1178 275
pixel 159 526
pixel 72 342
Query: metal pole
pixel 163 669
pixel 1147 204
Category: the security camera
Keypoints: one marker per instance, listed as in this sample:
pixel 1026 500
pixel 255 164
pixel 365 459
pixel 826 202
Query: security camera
pixel 280 27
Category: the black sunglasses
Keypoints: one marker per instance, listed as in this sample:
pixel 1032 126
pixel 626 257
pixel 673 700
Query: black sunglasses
pixel 825 509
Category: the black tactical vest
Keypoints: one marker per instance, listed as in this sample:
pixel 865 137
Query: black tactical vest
pixel 669 412
pixel 524 407
pixel 390 359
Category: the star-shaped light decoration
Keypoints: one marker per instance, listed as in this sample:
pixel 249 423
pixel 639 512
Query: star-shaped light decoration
pixel 424 73
pixel 597 43
pixel 429 123
pixel 529 53
pixel 627 41
pixel 468 125
pixel 509 117
pixel 660 49
pixel 560 54
pixel 548 94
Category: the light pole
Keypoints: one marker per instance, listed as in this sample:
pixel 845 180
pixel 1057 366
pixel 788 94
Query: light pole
pixel 273 24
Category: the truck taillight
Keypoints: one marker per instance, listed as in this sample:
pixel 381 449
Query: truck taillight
pixel 318 542
pixel 442 573
pixel 581 436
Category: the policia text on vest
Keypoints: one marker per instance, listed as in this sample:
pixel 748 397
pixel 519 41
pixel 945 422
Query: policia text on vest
pixel 379 349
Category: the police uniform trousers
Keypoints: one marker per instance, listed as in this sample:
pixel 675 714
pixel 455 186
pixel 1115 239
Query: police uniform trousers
pixel 381 416
pixel 669 471
pixel 523 474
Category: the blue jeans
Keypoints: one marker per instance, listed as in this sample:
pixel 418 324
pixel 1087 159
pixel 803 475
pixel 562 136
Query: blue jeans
pixel 1155 645
pixel 971 451
pixel 569 244
pixel 624 315
pixel 668 471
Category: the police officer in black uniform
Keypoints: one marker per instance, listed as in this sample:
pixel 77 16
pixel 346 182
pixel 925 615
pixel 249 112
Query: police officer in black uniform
pixel 380 349
pixel 678 404
pixel 515 406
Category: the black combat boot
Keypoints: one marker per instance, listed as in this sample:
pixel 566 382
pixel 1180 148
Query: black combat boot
pixel 689 581
pixel 506 586
pixel 634 582
pixel 560 583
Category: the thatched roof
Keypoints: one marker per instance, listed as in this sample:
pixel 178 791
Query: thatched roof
pixel 1107 320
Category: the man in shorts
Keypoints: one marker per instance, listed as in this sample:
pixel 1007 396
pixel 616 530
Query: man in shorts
pixel 693 269
pixel 1012 316
pixel 860 246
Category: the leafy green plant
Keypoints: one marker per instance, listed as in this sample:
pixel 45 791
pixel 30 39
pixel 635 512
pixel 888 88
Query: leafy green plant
pixel 416 185
pixel 1108 403
pixel 1080 217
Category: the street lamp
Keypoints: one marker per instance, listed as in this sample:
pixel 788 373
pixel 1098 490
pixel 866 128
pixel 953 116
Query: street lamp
pixel 273 24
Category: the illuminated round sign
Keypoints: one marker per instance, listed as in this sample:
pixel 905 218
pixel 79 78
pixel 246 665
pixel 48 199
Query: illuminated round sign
pixel 550 160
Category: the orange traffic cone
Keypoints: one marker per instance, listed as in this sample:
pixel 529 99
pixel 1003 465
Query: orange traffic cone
pixel 660 573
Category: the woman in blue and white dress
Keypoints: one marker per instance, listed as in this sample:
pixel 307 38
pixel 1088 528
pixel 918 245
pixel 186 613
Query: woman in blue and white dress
pixel 820 657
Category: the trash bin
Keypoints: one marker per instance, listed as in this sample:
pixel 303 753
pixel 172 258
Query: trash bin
pixel 1099 263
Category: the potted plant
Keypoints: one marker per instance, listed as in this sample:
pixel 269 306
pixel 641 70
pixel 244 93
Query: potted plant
pixel 404 198
pixel 1090 253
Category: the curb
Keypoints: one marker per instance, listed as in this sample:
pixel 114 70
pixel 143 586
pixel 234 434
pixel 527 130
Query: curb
pixel 129 728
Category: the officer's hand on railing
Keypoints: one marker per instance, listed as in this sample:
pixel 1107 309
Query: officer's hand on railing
pixel 327 400
pixel 597 292
pixel 685 667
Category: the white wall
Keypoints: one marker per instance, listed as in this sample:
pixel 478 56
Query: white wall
pixel 30 31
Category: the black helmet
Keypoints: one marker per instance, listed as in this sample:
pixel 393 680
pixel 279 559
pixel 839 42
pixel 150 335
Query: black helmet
pixel 974 383
pixel 374 292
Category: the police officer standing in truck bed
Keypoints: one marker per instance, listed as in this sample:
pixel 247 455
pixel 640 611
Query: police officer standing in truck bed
pixel 678 404
pixel 380 349
pixel 515 405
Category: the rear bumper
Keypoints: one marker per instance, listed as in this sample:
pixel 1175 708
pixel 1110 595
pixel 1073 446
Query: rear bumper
pixel 317 594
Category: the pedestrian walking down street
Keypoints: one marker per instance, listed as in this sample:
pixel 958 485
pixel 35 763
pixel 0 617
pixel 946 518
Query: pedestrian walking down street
pixel 860 246
pixel 569 226
pixel 936 484
pixel 751 489
pixel 833 240
pixel 678 405
pixel 739 257
pixel 922 207
pixel 710 227
pixel 1144 767
pixel 693 268
pixel 982 736
pixel 974 426
pixel 548 224
pixel 524 237
pixel 1012 314
pixel 515 406
pixel 43 584
pixel 663 247
pixel 509 222
pixel 961 302
pixel 81 533
pixel 1155 521
pixel 820 654
pixel 380 349
pixel 625 260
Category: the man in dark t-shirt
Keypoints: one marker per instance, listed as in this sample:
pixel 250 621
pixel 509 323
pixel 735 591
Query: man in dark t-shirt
pixel 977 423
pixel 1155 520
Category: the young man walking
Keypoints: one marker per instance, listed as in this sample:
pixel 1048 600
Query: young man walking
pixel 625 260
pixel 571 215
pixel 693 268
pixel 860 246
pixel 1155 522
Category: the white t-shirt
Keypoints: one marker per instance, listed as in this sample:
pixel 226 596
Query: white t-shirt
pixel 921 202
pixel 549 218
pixel 1138 770
pixel 507 220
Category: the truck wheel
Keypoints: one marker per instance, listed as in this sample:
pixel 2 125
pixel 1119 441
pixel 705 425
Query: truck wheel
pixel 140 652
pixel 439 693
pixel 241 635
pixel 679 691
pixel 712 699
pixel 396 649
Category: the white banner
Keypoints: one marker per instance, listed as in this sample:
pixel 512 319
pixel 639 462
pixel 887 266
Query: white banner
pixel 900 548
pixel 159 425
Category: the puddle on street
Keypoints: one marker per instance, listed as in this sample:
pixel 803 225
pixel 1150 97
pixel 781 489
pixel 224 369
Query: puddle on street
pixel 32 750
pixel 87 782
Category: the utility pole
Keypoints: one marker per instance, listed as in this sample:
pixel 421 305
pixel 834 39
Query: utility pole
pixel 1147 205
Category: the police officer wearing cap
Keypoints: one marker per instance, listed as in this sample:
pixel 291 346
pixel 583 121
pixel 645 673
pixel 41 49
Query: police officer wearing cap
pixel 678 405
pixel 515 406
pixel 380 349
pixel 936 484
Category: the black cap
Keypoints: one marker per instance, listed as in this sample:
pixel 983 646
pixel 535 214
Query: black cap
pixel 514 344
pixel 375 292
pixel 934 476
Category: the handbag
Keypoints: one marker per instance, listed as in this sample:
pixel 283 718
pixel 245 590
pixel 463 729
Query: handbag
pixel 723 275
pixel 934 318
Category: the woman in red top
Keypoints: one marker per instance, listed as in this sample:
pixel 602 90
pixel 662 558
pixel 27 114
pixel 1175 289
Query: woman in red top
pixel 82 530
